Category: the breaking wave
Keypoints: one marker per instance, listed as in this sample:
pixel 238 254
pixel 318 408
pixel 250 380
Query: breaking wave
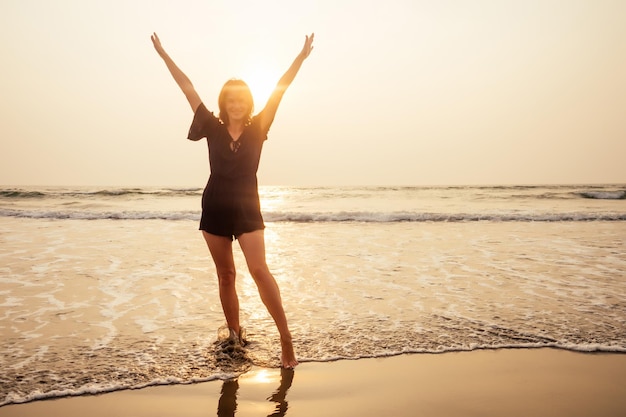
pixel 310 217
pixel 17 193
pixel 604 195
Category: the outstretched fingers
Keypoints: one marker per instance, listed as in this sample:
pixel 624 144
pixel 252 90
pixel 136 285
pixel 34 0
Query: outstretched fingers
pixel 156 42
pixel 308 45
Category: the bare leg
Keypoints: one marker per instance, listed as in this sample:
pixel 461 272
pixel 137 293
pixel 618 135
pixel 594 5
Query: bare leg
pixel 221 249
pixel 253 247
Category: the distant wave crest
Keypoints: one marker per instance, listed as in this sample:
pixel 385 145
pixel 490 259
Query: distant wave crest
pixel 604 195
pixel 94 215
pixel 481 193
pixel 307 217
pixel 21 194
pixel 396 217
pixel 113 192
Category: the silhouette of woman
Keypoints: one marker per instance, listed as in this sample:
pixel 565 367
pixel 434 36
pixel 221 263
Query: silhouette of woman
pixel 230 202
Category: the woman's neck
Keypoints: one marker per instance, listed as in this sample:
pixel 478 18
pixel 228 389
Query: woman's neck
pixel 235 129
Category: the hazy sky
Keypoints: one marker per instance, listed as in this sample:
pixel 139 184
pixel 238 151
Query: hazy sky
pixel 395 92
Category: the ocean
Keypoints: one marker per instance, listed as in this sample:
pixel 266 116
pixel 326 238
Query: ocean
pixel 110 288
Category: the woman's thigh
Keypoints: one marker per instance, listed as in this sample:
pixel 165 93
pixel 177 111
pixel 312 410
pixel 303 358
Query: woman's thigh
pixel 253 247
pixel 221 249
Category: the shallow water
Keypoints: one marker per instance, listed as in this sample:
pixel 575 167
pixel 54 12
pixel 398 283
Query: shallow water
pixel 99 305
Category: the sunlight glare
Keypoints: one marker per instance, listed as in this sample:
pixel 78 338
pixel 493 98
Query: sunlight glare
pixel 262 376
pixel 273 198
pixel 262 81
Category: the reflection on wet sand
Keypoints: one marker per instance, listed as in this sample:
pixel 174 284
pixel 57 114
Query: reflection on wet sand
pixel 227 405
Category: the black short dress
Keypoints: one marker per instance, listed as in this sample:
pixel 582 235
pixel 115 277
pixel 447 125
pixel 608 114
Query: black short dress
pixel 230 201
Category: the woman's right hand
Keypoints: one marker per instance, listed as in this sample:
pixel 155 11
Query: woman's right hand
pixel 181 79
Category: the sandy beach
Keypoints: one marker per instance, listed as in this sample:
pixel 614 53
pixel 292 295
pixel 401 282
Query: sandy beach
pixel 511 382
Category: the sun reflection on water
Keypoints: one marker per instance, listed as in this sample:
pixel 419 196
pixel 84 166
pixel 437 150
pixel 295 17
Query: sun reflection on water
pixel 273 198
pixel 261 376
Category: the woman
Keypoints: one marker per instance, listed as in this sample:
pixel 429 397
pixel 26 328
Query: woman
pixel 230 202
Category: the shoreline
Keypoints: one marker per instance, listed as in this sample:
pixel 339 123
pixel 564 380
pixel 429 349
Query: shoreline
pixel 542 381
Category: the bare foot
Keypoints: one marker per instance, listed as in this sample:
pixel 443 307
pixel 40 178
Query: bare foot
pixel 287 356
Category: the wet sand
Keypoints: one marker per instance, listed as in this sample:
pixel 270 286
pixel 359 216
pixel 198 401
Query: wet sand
pixel 511 382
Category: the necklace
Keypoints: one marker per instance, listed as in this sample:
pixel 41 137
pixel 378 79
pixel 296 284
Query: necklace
pixel 234 146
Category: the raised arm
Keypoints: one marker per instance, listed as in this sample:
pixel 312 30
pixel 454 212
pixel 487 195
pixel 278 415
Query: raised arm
pixel 269 111
pixel 181 79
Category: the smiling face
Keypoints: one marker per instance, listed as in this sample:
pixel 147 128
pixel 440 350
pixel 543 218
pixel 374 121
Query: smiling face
pixel 235 102
pixel 237 107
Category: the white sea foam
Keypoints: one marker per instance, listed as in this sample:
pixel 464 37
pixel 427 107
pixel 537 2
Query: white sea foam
pixel 605 195
pixel 38 355
pixel 343 216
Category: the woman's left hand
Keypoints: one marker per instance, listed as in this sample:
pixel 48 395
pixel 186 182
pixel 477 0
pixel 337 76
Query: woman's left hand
pixel 308 46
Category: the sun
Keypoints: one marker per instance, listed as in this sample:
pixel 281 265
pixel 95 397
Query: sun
pixel 262 81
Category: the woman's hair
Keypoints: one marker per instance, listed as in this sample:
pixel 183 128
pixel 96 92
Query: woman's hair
pixel 234 85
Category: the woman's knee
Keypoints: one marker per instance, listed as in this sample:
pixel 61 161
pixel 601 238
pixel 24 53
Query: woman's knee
pixel 226 276
pixel 260 272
